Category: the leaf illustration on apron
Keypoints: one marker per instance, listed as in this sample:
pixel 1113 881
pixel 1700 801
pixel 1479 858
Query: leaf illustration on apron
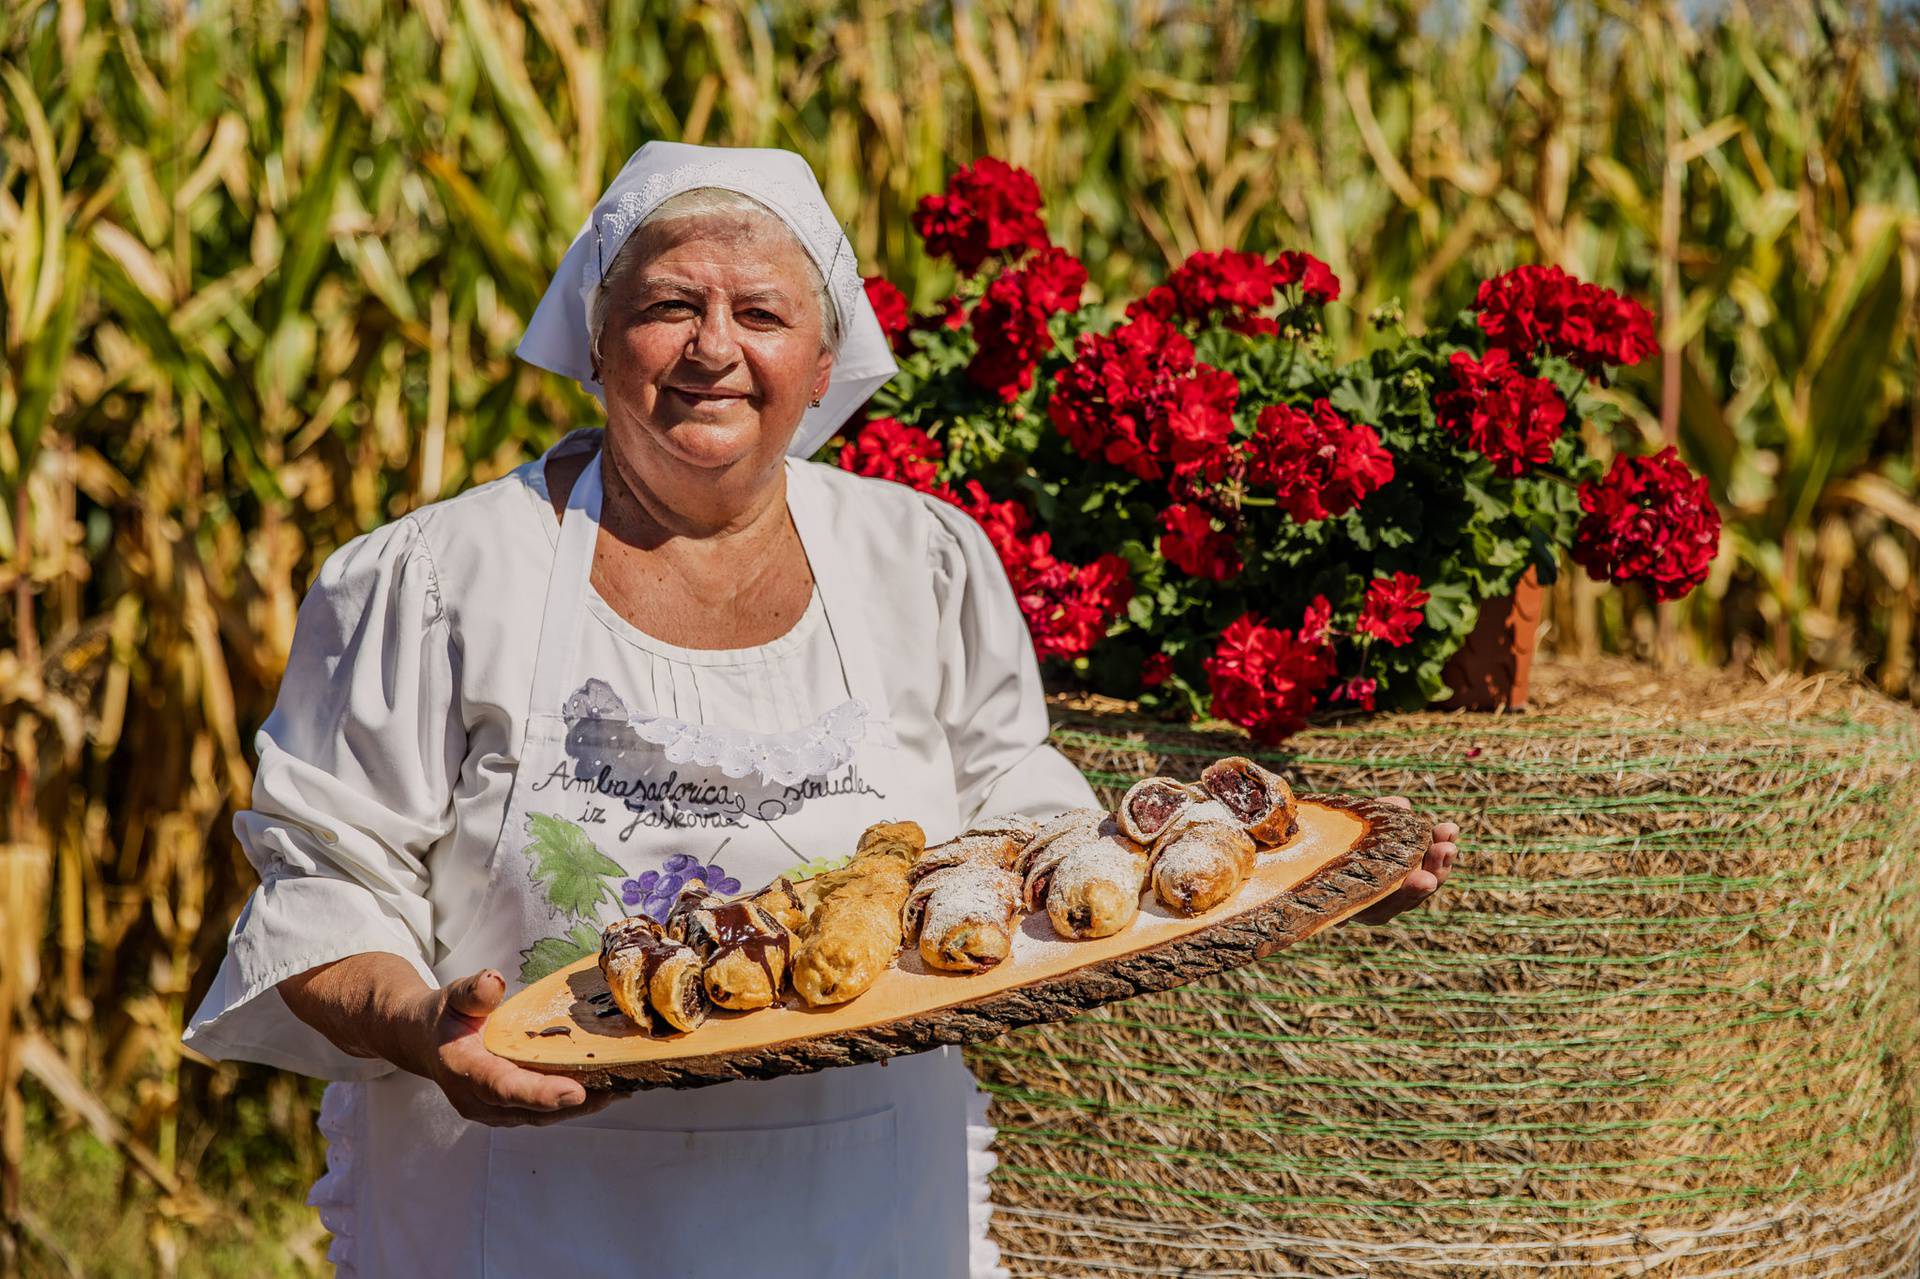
pixel 551 954
pixel 573 876
pixel 571 872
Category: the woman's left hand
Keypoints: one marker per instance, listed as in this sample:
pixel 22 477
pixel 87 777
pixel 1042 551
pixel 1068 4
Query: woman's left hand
pixel 1422 880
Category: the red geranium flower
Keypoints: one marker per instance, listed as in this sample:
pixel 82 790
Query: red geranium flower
pixel 1228 283
pixel 989 208
pixel 891 309
pixel 1315 278
pixel 1500 412
pixel 1156 670
pixel 1233 287
pixel 1359 690
pixel 1192 545
pixel 1394 608
pixel 1650 521
pixel 1316 625
pixel 1068 607
pixel 1531 307
pixel 1010 322
pixel 1317 462
pixel 890 450
pixel 1136 398
pixel 1200 422
pixel 1265 679
pixel 1005 522
pixel 1053 279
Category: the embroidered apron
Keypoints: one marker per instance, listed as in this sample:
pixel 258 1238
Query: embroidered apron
pixel 859 1171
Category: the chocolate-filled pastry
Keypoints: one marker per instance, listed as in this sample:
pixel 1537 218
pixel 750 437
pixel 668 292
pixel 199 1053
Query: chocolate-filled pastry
pixel 854 932
pixel 1262 801
pixel 1087 872
pixel 745 951
pixel 783 901
pixel 1151 804
pixel 963 912
pixel 651 976
pixel 1202 858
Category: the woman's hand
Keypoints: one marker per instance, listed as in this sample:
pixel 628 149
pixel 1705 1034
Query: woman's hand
pixel 375 1005
pixel 1422 881
pixel 482 1087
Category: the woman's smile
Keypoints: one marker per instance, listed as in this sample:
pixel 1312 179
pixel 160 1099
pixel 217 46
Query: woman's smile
pixel 712 395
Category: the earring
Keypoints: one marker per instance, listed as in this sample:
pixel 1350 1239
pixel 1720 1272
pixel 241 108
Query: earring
pixel 816 402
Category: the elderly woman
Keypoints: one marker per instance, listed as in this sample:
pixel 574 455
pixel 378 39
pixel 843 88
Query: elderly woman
pixel 667 648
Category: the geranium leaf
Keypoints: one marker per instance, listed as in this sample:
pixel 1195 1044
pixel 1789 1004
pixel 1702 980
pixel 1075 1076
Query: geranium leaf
pixel 571 871
pixel 1359 399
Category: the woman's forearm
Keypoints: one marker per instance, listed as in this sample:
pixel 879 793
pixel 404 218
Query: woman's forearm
pixel 369 1005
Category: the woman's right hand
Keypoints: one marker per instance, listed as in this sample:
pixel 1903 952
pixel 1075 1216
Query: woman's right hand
pixel 482 1087
pixel 375 1005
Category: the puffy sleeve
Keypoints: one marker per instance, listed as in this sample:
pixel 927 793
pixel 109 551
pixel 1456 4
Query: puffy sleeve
pixel 355 784
pixel 992 704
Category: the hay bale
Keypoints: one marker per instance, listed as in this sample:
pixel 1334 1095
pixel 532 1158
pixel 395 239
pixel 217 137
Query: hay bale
pixel 1662 1023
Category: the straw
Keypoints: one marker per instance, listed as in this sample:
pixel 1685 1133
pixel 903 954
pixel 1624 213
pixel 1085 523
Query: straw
pixel 1662 1021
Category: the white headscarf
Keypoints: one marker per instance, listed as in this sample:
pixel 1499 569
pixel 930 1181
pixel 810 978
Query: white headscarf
pixel 557 337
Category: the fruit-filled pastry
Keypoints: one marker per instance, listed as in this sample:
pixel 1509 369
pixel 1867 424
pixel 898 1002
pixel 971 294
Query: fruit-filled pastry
pixel 1200 858
pixel 1151 804
pixel 1261 801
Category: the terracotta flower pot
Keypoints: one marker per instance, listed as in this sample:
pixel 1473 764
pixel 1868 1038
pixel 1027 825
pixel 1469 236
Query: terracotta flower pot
pixel 1490 671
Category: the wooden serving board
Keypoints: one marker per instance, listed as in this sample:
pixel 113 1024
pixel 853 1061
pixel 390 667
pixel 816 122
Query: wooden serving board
pixel 1346 855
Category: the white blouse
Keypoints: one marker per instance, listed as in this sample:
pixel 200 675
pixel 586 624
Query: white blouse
pixel 386 766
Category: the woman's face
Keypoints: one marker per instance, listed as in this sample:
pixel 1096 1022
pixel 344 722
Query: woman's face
pixel 711 349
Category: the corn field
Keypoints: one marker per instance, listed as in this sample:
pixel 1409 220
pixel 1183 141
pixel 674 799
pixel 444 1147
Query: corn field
pixel 262 267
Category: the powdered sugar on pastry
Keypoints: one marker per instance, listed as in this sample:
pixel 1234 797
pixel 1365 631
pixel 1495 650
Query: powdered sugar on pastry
pixel 963 915
pixel 969 892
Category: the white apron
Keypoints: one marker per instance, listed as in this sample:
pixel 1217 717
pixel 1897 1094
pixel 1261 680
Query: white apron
pixel 859 1171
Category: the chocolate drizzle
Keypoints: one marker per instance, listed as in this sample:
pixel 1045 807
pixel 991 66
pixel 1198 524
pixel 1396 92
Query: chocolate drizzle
pixel 744 927
pixel 640 941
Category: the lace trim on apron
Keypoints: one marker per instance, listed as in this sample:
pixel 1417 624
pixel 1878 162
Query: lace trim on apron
pixel 779 759
pixel 983 1254
pixel 333 1194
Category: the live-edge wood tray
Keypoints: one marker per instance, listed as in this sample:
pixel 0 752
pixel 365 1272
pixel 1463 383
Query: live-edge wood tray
pixel 1347 854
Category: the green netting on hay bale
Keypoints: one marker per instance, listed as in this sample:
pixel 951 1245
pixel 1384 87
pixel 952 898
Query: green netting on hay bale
pixel 1661 1023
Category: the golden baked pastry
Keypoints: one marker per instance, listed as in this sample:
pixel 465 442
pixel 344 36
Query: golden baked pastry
pixel 1201 859
pixel 854 931
pixel 782 900
pixel 745 950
